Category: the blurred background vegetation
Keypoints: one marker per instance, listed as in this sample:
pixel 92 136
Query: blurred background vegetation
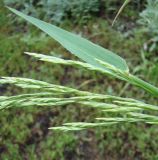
pixel 24 133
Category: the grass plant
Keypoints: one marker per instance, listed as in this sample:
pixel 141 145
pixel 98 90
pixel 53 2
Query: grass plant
pixel 95 58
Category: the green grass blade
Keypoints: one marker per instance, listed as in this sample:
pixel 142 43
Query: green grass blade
pixel 120 10
pixel 77 45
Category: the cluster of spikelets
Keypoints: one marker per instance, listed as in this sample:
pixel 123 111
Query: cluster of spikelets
pixel 96 59
pixel 130 110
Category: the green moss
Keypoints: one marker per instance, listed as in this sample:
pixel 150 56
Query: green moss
pixel 24 133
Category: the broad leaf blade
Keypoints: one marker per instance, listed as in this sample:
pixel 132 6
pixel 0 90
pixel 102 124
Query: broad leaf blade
pixel 77 45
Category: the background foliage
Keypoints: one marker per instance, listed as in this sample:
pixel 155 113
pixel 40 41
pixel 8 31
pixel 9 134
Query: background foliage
pixel 58 10
pixel 24 132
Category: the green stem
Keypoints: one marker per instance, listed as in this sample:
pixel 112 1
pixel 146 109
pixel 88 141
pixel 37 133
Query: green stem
pixel 146 86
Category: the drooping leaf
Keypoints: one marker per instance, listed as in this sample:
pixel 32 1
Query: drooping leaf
pixel 77 45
